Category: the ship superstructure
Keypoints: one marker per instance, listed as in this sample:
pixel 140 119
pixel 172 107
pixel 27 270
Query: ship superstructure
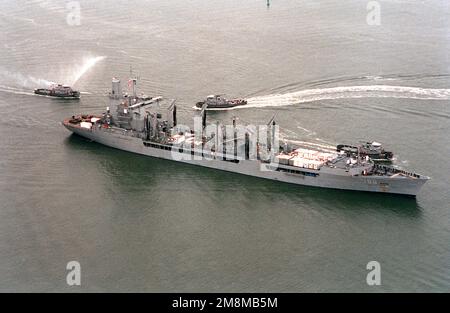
pixel 373 149
pixel 139 125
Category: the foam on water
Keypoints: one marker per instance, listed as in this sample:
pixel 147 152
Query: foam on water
pixel 347 92
pixel 17 91
pixel 313 145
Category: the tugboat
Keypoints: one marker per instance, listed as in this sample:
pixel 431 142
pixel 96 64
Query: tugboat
pixel 59 91
pixel 374 150
pixel 219 102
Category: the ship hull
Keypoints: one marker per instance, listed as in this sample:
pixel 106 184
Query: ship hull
pixel 321 178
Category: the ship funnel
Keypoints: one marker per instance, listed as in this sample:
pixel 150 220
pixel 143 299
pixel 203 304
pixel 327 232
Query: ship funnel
pixel 116 89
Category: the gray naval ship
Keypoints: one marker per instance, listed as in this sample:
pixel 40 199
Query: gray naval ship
pixel 138 124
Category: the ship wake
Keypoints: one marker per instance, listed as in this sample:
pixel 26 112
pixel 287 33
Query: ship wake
pixel 17 91
pixel 347 92
pixel 14 81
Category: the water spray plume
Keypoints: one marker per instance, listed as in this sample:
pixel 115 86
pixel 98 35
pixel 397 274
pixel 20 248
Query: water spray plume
pixel 85 67
pixel 12 80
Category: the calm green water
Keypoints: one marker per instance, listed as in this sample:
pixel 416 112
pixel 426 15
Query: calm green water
pixel 139 224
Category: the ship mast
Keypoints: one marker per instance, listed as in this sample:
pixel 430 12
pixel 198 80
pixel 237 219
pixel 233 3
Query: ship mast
pixel 172 114
pixel 358 155
pixel 133 81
